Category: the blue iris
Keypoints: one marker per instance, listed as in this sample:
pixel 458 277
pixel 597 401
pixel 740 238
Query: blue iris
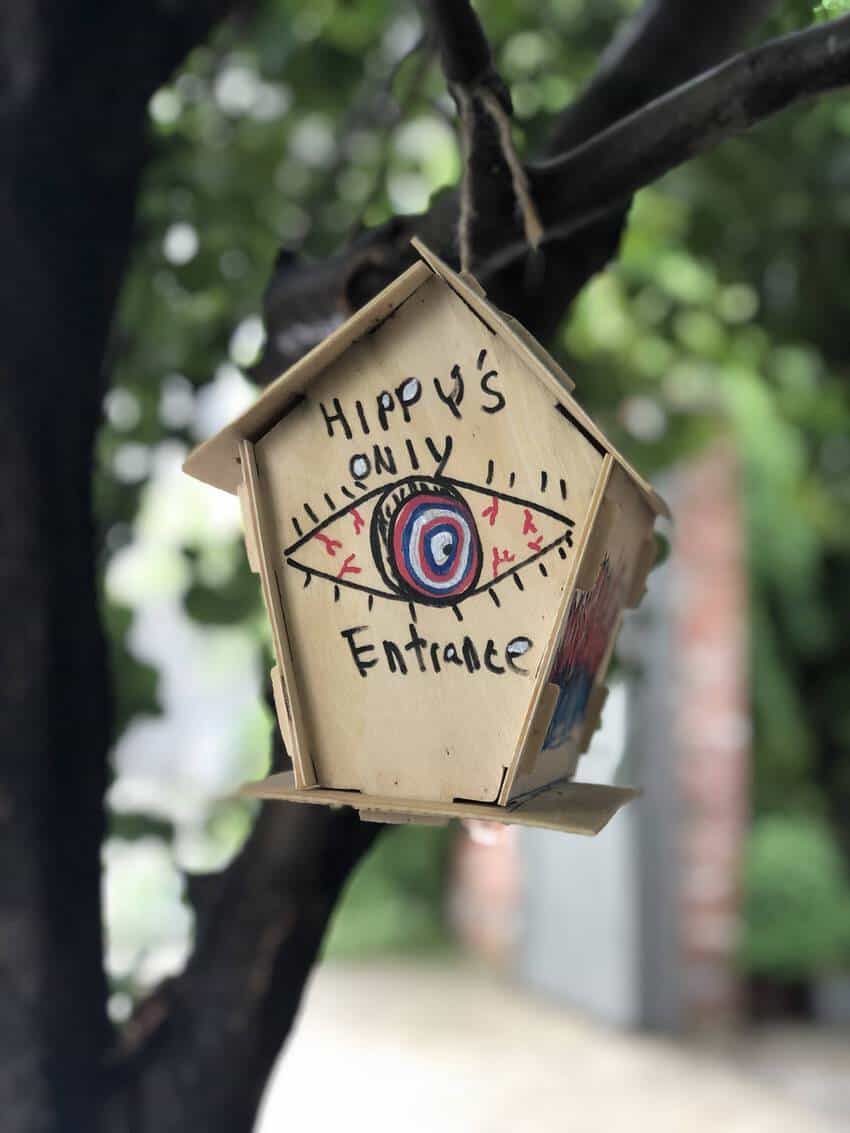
pixel 441 544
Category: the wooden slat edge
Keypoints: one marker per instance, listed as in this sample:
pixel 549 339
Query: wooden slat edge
pixel 294 730
pixel 575 808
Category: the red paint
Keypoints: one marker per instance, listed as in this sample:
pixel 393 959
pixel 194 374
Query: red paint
pixel 358 521
pixel 498 559
pixel 331 545
pixel 492 511
pixel 528 526
pixel 347 568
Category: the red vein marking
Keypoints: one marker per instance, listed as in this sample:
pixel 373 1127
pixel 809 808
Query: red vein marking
pixel 528 522
pixel 492 511
pixel 535 544
pixel 498 559
pixel 358 521
pixel 331 545
pixel 347 568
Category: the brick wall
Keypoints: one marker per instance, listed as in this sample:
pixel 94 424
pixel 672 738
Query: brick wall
pixel 711 719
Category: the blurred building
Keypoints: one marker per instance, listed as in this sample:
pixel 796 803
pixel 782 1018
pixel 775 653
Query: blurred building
pixel 639 925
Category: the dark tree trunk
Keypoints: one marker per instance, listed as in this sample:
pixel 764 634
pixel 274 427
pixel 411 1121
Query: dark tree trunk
pixel 67 189
pixel 74 88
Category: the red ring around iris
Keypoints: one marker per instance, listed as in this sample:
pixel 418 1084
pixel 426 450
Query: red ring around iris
pixel 435 546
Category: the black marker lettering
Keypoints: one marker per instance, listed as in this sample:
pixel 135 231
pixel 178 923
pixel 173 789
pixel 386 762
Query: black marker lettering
pixel 517 647
pixel 384 462
pixel 490 652
pixel 407 394
pixel 337 415
pixel 450 398
pixel 364 424
pixel 359 466
pixel 385 406
pixel 442 458
pixel 394 657
pixel 411 452
pixel 417 643
pixel 358 652
pixel 466 655
pixel 470 655
pixel 457 378
pixel 494 393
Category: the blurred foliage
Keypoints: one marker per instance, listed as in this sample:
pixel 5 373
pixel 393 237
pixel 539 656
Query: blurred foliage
pixel 726 314
pixel 829 9
pixel 797 911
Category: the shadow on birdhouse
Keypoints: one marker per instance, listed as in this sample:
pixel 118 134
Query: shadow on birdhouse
pixel 446 543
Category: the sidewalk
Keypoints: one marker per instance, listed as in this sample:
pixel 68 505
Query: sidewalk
pixel 432 1048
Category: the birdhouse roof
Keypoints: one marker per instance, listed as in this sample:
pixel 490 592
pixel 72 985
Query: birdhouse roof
pixel 216 461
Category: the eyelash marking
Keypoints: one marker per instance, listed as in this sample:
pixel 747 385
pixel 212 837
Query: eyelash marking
pixel 425 542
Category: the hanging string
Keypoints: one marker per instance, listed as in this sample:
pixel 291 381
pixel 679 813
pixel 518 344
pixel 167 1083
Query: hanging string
pixel 532 224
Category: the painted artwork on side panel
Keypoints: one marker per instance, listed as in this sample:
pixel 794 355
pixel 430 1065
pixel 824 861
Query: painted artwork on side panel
pixel 590 622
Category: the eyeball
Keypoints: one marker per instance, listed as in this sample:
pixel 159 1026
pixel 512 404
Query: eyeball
pixel 435 541
pixel 425 542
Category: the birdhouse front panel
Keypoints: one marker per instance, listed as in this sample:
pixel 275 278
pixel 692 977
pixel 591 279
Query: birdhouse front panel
pixel 427 501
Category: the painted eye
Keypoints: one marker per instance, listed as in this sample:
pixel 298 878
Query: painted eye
pixel 430 540
pixel 425 542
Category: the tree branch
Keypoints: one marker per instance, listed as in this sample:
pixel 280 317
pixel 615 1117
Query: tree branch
pixel 578 190
pixel 489 191
pixel 460 41
pixel 303 300
pixel 692 119
pixel 666 43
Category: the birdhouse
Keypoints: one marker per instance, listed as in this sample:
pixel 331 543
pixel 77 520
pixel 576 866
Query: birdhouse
pixel 446 543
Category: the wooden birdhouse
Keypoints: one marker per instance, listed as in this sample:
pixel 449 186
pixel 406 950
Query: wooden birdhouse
pixel 446 544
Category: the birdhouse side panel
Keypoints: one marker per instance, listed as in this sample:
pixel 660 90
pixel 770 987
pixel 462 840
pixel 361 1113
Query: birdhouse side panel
pixel 609 581
pixel 426 499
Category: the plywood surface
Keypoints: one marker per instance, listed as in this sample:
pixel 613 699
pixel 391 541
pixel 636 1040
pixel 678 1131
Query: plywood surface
pixel 284 678
pixel 425 499
pixel 587 638
pixel 577 808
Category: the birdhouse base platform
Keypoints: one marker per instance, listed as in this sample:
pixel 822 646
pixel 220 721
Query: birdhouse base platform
pixel 574 808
